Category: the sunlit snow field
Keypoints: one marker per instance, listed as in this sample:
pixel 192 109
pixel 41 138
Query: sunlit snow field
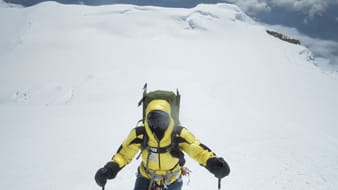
pixel 71 77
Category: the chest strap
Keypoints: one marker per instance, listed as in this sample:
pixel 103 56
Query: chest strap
pixel 159 150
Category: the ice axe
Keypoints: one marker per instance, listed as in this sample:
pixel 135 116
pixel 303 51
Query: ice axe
pixel 219 183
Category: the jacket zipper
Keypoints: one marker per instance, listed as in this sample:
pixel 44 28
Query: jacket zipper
pixel 159 160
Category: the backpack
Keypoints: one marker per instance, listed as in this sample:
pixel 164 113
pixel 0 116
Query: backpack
pixel 172 98
pixel 174 101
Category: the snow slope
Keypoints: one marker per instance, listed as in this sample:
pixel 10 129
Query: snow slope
pixel 71 77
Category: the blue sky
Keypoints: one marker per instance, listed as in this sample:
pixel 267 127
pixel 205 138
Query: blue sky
pixel 317 19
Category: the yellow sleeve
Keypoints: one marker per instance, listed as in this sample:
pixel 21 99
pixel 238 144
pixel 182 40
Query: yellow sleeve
pixel 194 148
pixel 129 148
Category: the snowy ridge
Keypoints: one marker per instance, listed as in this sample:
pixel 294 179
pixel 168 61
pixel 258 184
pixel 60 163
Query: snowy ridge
pixel 71 77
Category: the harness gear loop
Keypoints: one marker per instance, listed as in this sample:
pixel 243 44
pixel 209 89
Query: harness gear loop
pixel 163 181
pixel 186 172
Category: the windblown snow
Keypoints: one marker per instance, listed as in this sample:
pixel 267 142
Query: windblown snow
pixel 71 77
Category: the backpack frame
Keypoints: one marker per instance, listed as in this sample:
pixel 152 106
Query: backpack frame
pixel 169 96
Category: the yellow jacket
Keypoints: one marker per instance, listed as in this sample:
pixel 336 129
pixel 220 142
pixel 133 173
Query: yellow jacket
pixel 160 163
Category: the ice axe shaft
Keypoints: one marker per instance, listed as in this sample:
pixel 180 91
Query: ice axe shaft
pixel 219 183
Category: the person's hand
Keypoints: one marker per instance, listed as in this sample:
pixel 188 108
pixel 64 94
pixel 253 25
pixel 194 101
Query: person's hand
pixel 218 167
pixel 109 171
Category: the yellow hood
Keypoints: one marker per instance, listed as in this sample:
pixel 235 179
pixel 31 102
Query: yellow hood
pixel 161 105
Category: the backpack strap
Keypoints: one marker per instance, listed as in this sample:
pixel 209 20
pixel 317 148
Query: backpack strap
pixel 175 150
pixel 174 142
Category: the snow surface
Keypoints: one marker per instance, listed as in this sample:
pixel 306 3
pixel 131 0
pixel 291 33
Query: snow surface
pixel 71 77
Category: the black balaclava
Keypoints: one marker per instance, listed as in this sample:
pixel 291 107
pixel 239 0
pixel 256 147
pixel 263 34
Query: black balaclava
pixel 158 122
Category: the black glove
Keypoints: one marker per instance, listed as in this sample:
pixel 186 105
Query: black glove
pixel 109 171
pixel 218 167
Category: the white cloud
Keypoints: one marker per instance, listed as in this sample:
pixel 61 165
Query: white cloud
pixel 322 49
pixel 251 6
pixel 311 8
